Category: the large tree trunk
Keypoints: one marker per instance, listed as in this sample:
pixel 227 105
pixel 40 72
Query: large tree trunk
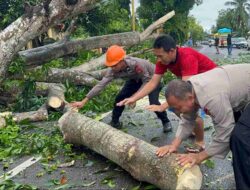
pixel 55 75
pixel 34 23
pixel 92 65
pixel 134 155
pixel 63 75
pixel 45 53
pixel 10 95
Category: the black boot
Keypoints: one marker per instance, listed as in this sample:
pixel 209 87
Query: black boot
pixel 117 125
pixel 167 127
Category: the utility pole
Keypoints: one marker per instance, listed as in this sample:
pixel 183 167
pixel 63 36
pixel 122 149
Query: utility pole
pixel 133 14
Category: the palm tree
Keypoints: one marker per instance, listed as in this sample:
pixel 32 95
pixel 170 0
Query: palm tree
pixel 240 10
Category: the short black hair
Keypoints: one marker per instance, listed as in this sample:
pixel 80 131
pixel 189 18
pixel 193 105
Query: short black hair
pixel 178 88
pixel 166 42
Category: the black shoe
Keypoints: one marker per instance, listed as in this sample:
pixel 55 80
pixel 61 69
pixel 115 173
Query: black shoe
pixel 117 125
pixel 167 127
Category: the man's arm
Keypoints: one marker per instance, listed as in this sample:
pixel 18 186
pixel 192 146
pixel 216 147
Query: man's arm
pixel 221 111
pixel 164 106
pixel 149 87
pixel 94 91
pixel 223 119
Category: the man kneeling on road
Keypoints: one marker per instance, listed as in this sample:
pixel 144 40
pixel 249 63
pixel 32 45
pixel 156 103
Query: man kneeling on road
pixel 224 94
pixel 184 63
pixel 138 72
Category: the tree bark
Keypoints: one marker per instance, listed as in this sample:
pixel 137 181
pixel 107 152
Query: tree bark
pixel 32 24
pixel 46 53
pixel 56 97
pixel 43 54
pixel 42 88
pixel 92 65
pixel 157 24
pixel 55 75
pixel 40 115
pixel 134 155
pixel 63 75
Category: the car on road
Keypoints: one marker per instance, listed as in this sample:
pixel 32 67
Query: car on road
pixel 248 44
pixel 211 42
pixel 239 42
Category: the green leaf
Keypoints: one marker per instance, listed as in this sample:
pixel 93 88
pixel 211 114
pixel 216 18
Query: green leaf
pixel 150 187
pixel 89 163
pixel 88 184
pixel 111 184
pixel 136 187
pixel 209 163
pixel 55 181
pixel 65 186
pixel 40 174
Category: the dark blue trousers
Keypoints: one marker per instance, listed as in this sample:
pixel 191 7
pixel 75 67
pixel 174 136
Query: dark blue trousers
pixel 130 87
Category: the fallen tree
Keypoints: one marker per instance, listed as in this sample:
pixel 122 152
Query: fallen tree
pixel 46 53
pixel 34 23
pixel 132 154
pixel 40 115
pixel 56 75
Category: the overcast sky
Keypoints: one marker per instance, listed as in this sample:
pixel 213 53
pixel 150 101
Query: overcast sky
pixel 207 12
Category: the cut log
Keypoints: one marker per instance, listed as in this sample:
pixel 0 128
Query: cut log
pixel 134 155
pixel 75 77
pixel 55 75
pixel 34 23
pixel 56 97
pixel 42 88
pixel 40 115
pixel 46 53
pixel 10 95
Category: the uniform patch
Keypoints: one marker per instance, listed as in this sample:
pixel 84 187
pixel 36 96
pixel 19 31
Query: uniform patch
pixel 138 69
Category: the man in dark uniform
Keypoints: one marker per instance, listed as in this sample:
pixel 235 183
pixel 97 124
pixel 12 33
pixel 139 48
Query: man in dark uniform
pixel 137 72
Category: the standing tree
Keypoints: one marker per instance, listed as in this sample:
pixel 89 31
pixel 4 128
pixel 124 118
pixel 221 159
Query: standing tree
pixel 116 14
pixel 195 29
pixel 150 11
pixel 240 8
pixel 226 20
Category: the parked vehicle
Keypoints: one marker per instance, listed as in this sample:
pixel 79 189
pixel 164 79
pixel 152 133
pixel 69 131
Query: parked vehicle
pixel 240 42
pixel 211 42
pixel 248 44
pixel 234 40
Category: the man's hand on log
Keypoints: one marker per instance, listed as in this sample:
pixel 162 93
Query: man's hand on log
pixel 168 149
pixel 126 101
pixel 191 158
pixel 77 104
pixel 158 108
